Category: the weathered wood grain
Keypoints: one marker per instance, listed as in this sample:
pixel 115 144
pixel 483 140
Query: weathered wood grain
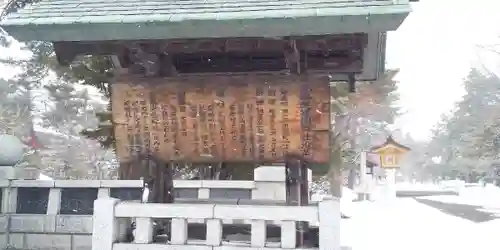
pixel 233 119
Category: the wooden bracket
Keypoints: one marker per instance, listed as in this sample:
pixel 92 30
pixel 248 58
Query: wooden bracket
pixel 292 56
pixel 167 67
pixel 118 64
pixel 64 54
pixel 150 63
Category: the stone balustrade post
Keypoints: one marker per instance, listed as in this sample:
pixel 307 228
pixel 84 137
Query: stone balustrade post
pixel 270 183
pixel 106 228
pixel 329 223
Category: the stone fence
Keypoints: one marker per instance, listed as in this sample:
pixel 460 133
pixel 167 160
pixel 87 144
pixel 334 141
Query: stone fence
pixel 112 217
pixel 41 214
pixel 48 214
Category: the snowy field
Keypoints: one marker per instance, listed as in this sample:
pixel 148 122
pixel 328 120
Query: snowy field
pixel 410 224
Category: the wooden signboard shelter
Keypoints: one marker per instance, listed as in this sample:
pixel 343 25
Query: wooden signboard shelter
pixel 220 81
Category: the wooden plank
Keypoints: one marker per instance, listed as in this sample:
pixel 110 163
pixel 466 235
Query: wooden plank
pixel 233 119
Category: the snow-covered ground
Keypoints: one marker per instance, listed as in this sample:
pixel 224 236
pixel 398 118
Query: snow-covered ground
pixel 487 197
pixel 407 224
pixel 404 223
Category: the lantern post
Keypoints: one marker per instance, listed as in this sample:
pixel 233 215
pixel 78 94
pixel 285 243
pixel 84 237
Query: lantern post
pixel 391 155
pixel 366 173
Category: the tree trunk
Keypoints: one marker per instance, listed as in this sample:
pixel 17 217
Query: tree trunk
pixel 335 171
pixel 336 133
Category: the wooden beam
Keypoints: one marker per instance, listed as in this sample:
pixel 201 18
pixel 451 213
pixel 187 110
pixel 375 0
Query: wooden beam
pixel 337 42
pixel 170 58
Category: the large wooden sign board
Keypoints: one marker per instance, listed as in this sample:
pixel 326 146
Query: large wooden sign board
pixel 225 119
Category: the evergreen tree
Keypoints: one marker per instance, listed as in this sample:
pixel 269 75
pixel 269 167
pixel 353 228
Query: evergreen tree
pixel 467 139
pixel 70 112
pixel 14 108
pixel 95 71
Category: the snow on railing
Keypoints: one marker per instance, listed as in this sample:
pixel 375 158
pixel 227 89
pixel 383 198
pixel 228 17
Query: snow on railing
pixel 111 216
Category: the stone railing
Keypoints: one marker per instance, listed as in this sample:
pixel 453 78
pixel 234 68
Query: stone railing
pixel 112 217
pixel 76 196
pixel 62 196
pixel 46 214
pixel 60 211
pixel 268 184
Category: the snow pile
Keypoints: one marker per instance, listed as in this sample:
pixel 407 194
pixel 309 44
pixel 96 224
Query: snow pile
pixel 348 194
pixel 346 204
pixel 487 197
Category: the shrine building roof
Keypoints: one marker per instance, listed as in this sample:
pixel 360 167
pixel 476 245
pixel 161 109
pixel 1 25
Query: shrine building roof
pixel 99 20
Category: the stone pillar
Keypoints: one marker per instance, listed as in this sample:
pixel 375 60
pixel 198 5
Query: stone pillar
pixel 106 227
pixel 329 223
pixel 270 183
pixel 390 184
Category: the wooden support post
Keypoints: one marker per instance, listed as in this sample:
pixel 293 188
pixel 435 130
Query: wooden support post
pixel 297 190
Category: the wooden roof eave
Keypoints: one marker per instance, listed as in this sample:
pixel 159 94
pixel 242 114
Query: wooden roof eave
pixel 391 141
pixel 362 20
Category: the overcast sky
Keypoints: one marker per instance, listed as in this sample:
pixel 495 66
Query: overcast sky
pixel 434 49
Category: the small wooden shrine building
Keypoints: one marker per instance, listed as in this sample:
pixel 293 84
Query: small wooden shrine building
pixel 218 80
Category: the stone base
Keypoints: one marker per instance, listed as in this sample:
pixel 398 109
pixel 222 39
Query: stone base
pixel 18 173
pixel 8 173
pixel 28 173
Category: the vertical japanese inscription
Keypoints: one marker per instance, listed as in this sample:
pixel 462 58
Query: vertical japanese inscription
pixel 211 129
pixel 128 119
pixel 259 92
pixel 135 146
pixel 305 120
pixel 193 116
pixel 233 129
pixel 203 129
pixel 146 133
pixel 221 119
pixel 165 118
pixel 285 129
pixel 251 137
pixel 155 123
pixel 174 130
pixel 242 130
pixel 181 101
pixel 271 97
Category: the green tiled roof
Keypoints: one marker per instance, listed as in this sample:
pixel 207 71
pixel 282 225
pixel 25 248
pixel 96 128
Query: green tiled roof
pixel 195 18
